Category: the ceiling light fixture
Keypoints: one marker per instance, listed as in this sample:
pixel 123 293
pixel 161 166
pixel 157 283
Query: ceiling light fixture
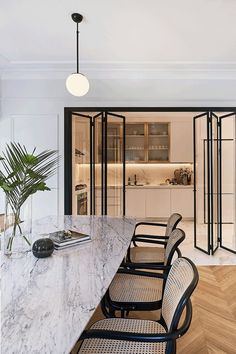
pixel 77 84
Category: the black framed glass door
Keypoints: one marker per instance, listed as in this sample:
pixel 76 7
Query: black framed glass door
pixel 201 137
pixel 206 182
pixel 227 181
pixel 214 182
pixel 114 164
pixel 98 164
pixel 82 161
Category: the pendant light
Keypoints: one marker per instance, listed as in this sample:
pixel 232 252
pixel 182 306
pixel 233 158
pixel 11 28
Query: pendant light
pixel 77 84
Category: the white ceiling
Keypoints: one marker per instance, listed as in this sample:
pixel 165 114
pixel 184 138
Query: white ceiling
pixel 118 31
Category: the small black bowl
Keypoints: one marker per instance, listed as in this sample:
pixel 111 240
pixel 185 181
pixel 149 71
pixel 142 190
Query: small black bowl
pixel 43 248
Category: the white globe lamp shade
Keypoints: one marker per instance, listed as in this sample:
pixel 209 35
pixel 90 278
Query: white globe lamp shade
pixel 77 84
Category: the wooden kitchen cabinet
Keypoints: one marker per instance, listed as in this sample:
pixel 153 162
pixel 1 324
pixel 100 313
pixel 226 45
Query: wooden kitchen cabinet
pixel 182 202
pixel 181 144
pixel 158 203
pixel 136 202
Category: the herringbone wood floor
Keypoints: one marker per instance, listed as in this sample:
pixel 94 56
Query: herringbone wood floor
pixel 213 328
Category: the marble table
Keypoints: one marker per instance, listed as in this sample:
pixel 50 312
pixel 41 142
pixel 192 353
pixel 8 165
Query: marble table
pixel 46 303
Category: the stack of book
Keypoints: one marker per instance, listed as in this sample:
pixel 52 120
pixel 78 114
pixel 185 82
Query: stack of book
pixel 67 238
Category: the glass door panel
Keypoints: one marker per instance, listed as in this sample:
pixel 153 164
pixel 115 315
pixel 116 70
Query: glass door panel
pixel 158 142
pixel 227 183
pixel 135 142
pixel 214 192
pixel 201 183
pixel 115 165
pixel 98 164
pixel 81 164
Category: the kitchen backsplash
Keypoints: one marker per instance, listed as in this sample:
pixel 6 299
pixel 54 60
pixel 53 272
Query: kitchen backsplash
pixel 153 173
pixel 145 173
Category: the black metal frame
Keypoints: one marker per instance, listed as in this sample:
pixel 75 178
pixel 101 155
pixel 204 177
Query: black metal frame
pixel 172 334
pixel 95 118
pixel 104 115
pixel 107 114
pixel 220 179
pixel 156 239
pixel 67 143
pixel 210 166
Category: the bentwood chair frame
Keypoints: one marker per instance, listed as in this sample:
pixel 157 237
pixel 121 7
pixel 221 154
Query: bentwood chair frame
pixel 169 321
pixel 110 306
pixel 171 225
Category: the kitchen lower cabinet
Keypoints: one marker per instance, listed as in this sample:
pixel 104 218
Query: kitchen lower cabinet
pixel 182 202
pixel 158 203
pixel 136 202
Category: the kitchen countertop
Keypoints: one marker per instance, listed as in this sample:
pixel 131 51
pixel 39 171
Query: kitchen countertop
pixel 46 303
pixel 167 186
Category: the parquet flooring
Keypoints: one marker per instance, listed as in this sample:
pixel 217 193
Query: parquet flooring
pixel 213 327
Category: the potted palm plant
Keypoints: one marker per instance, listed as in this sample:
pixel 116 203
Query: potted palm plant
pixel 22 174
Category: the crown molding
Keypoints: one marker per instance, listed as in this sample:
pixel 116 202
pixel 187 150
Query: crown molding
pixel 120 70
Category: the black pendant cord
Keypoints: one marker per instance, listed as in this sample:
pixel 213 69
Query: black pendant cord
pixel 77 47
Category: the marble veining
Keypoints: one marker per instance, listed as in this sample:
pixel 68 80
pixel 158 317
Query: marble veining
pixel 46 303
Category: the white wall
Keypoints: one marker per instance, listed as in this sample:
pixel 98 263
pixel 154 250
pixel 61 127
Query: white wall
pixel 35 94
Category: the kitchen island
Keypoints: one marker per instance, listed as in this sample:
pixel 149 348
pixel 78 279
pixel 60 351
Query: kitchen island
pixel 46 303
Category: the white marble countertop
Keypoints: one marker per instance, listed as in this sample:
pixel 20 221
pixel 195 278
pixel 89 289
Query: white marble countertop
pixel 46 303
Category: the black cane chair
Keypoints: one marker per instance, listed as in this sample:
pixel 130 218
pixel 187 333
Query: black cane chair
pixel 133 289
pixel 129 336
pixel 152 254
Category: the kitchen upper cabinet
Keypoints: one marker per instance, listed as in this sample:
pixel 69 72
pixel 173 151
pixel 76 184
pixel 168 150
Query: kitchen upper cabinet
pixel 182 202
pixel 136 202
pixel 158 203
pixel 181 145
pixel 147 142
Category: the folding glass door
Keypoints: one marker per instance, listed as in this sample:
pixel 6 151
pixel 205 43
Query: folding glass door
pixel 82 178
pixel 205 182
pixel 214 182
pixel 98 164
pixel 227 181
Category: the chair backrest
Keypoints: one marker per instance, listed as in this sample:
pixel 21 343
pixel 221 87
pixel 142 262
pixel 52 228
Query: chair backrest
pixel 176 237
pixel 181 281
pixel 172 223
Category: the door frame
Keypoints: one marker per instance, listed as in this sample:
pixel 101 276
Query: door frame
pixel 68 135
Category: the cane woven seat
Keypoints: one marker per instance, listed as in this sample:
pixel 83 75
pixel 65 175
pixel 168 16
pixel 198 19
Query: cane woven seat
pixel 181 282
pixel 131 288
pixel 147 254
pixel 134 288
pixel 110 346
pixel 154 254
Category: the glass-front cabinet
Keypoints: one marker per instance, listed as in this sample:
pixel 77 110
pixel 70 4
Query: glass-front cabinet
pixel 147 142
pixel 135 142
pixel 158 142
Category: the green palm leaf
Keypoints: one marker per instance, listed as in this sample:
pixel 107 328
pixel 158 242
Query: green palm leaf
pixel 24 173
